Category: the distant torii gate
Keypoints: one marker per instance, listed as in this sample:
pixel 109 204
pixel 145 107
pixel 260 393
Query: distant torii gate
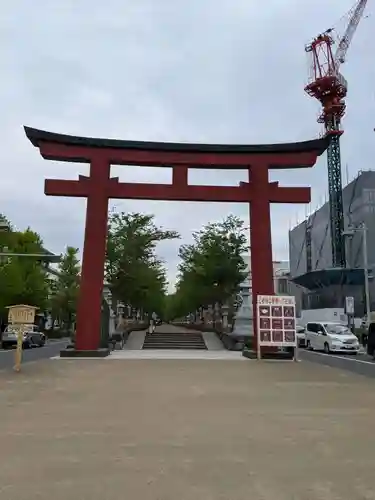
pixel 99 187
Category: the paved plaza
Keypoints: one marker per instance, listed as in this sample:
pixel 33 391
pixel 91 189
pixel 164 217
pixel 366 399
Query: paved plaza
pixel 185 429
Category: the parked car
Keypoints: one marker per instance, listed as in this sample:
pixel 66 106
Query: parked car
pixel 331 337
pixel 32 337
pixel 301 336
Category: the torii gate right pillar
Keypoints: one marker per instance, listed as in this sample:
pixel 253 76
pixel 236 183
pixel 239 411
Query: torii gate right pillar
pixel 263 194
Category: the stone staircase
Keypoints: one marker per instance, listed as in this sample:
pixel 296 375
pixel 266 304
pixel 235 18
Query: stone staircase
pixel 174 340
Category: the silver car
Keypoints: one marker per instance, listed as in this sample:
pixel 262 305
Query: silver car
pixel 32 337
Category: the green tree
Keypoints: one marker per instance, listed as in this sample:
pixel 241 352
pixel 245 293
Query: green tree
pixel 134 273
pixel 23 279
pixel 64 290
pixel 149 295
pixel 178 304
pixel 212 267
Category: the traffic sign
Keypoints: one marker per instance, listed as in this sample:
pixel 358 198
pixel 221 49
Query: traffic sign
pixel 349 306
pixel 19 316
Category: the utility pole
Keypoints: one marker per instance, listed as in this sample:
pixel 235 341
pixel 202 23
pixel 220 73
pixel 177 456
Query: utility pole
pixel 365 272
pixel 350 233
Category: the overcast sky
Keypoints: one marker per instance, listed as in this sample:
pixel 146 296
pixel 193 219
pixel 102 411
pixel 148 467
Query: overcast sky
pixel 215 71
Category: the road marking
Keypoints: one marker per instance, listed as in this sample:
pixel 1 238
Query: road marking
pixel 355 360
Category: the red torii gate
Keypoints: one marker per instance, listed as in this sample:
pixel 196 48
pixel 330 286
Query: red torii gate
pixel 99 187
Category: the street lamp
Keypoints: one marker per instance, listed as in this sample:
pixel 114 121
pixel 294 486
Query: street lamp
pixel 349 234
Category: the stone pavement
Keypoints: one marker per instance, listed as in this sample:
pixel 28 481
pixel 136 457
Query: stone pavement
pixel 175 429
pixel 212 341
pixel 192 354
pixel 135 341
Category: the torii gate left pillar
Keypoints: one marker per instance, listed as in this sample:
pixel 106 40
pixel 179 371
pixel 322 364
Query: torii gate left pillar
pixel 99 187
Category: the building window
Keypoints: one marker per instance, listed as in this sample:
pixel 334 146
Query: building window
pixel 369 196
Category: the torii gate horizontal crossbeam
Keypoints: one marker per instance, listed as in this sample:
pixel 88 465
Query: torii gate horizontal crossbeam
pixel 142 191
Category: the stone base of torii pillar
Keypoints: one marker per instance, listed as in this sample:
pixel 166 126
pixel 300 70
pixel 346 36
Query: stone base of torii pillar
pixel 75 353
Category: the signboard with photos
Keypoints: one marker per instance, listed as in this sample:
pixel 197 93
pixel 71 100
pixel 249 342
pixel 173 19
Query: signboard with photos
pixel 276 317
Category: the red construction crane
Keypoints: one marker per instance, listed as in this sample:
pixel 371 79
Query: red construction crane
pixel 329 87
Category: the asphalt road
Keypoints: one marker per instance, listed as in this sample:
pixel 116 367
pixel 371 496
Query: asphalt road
pixel 362 364
pixel 49 350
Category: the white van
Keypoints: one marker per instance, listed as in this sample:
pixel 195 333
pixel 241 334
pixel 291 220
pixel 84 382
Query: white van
pixel 331 337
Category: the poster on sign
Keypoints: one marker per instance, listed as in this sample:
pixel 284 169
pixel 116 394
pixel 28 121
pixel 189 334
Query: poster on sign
pixel 276 320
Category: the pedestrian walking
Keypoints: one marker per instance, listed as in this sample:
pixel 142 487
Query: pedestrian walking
pixel 154 317
pixel 364 339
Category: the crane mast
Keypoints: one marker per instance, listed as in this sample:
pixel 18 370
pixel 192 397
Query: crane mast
pixel 329 87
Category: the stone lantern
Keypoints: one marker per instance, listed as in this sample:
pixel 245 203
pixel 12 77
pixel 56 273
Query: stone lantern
pixel 112 315
pixel 243 320
pixel 225 312
pixel 120 312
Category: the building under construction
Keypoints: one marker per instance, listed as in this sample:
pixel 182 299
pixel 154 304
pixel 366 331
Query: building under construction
pixel 319 285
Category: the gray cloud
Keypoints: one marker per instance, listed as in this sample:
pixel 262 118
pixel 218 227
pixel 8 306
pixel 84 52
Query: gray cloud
pixel 214 71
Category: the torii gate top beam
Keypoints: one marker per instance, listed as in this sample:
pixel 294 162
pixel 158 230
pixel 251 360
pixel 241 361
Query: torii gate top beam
pixel 70 148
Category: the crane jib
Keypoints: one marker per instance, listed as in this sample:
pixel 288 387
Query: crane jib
pixel 356 14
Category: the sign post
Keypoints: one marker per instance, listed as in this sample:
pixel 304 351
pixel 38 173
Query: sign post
pixel 18 317
pixel 276 322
